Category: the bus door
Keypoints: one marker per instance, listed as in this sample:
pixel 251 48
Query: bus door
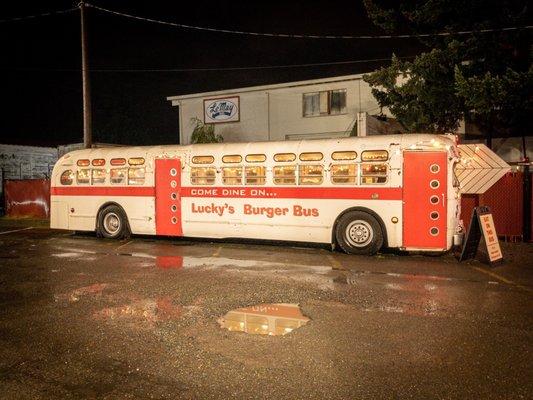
pixel 168 197
pixel 424 199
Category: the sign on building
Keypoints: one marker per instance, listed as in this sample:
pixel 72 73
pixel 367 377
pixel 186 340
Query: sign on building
pixel 220 110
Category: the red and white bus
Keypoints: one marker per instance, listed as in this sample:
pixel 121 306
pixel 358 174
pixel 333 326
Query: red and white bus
pixel 358 193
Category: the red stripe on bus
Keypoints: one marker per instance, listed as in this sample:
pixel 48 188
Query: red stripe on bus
pixel 299 192
pixel 351 193
pixel 102 191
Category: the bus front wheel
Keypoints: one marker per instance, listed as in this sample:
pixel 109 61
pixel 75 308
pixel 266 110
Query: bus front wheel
pixel 112 223
pixel 358 232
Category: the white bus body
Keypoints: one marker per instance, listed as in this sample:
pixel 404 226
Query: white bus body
pixel 359 193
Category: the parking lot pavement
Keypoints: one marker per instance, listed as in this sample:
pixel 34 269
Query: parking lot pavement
pixel 83 317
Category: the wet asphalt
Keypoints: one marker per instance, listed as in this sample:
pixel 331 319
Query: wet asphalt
pixel 82 317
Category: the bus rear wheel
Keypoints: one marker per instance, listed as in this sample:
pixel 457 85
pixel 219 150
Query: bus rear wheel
pixel 358 232
pixel 112 223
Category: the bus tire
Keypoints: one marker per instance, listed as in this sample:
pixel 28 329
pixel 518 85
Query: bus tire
pixel 112 223
pixel 358 232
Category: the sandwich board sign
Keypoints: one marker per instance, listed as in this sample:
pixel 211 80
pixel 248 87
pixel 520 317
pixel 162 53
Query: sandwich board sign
pixel 481 223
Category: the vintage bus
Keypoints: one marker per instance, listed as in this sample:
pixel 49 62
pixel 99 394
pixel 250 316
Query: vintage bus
pixel 358 193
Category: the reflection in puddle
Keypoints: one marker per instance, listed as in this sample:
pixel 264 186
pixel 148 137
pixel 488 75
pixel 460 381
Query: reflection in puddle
pixel 264 319
pixel 75 295
pixel 169 262
pixel 149 310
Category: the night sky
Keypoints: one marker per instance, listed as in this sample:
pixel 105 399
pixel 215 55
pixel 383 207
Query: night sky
pixel 40 61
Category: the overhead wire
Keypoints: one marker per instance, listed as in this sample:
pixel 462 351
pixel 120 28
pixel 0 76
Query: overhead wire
pixel 266 34
pixel 34 16
pixel 301 36
pixel 281 35
pixel 207 69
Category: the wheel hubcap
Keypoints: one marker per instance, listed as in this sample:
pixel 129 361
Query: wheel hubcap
pixel 112 223
pixel 359 233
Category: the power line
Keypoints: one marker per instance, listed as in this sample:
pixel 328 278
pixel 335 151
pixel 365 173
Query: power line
pixel 128 70
pixel 46 14
pixel 299 36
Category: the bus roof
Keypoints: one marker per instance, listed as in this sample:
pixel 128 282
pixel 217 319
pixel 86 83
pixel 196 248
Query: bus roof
pixel 364 142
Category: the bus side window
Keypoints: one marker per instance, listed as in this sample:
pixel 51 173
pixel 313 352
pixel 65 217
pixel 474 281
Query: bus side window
pixel 375 155
pixel 373 173
pixel 83 176
pixel 118 175
pixel 232 175
pixel 310 174
pixel 67 177
pixel 136 176
pixel 203 159
pixel 343 155
pixel 255 175
pixel 344 174
pixel 285 175
pixel 253 158
pixel 203 175
pixel 232 159
pixel 311 156
pixel 284 157
pixel 98 176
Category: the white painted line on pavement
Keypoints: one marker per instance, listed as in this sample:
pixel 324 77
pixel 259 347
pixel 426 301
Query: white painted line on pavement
pixel 16 230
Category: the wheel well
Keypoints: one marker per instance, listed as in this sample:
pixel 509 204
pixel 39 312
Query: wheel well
pixel 368 211
pixel 104 206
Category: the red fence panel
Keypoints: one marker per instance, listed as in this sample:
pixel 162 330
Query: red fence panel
pixel 27 198
pixel 505 200
pixel 468 202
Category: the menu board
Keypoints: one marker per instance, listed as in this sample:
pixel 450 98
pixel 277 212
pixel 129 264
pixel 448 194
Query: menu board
pixel 481 222
pixel 491 239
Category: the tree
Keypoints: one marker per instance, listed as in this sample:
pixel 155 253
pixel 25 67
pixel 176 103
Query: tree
pixel 483 77
pixel 204 133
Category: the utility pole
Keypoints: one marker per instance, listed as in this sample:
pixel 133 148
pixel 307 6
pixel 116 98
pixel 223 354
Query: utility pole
pixel 87 115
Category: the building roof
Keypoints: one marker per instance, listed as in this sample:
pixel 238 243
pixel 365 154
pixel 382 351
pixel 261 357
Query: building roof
pixel 176 99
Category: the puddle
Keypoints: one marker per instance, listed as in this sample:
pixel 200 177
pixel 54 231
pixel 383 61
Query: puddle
pixel 67 255
pixel 176 262
pixel 76 294
pixel 148 310
pixel 264 319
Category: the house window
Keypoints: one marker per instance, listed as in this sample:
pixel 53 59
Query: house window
pixel 337 102
pixel 330 102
